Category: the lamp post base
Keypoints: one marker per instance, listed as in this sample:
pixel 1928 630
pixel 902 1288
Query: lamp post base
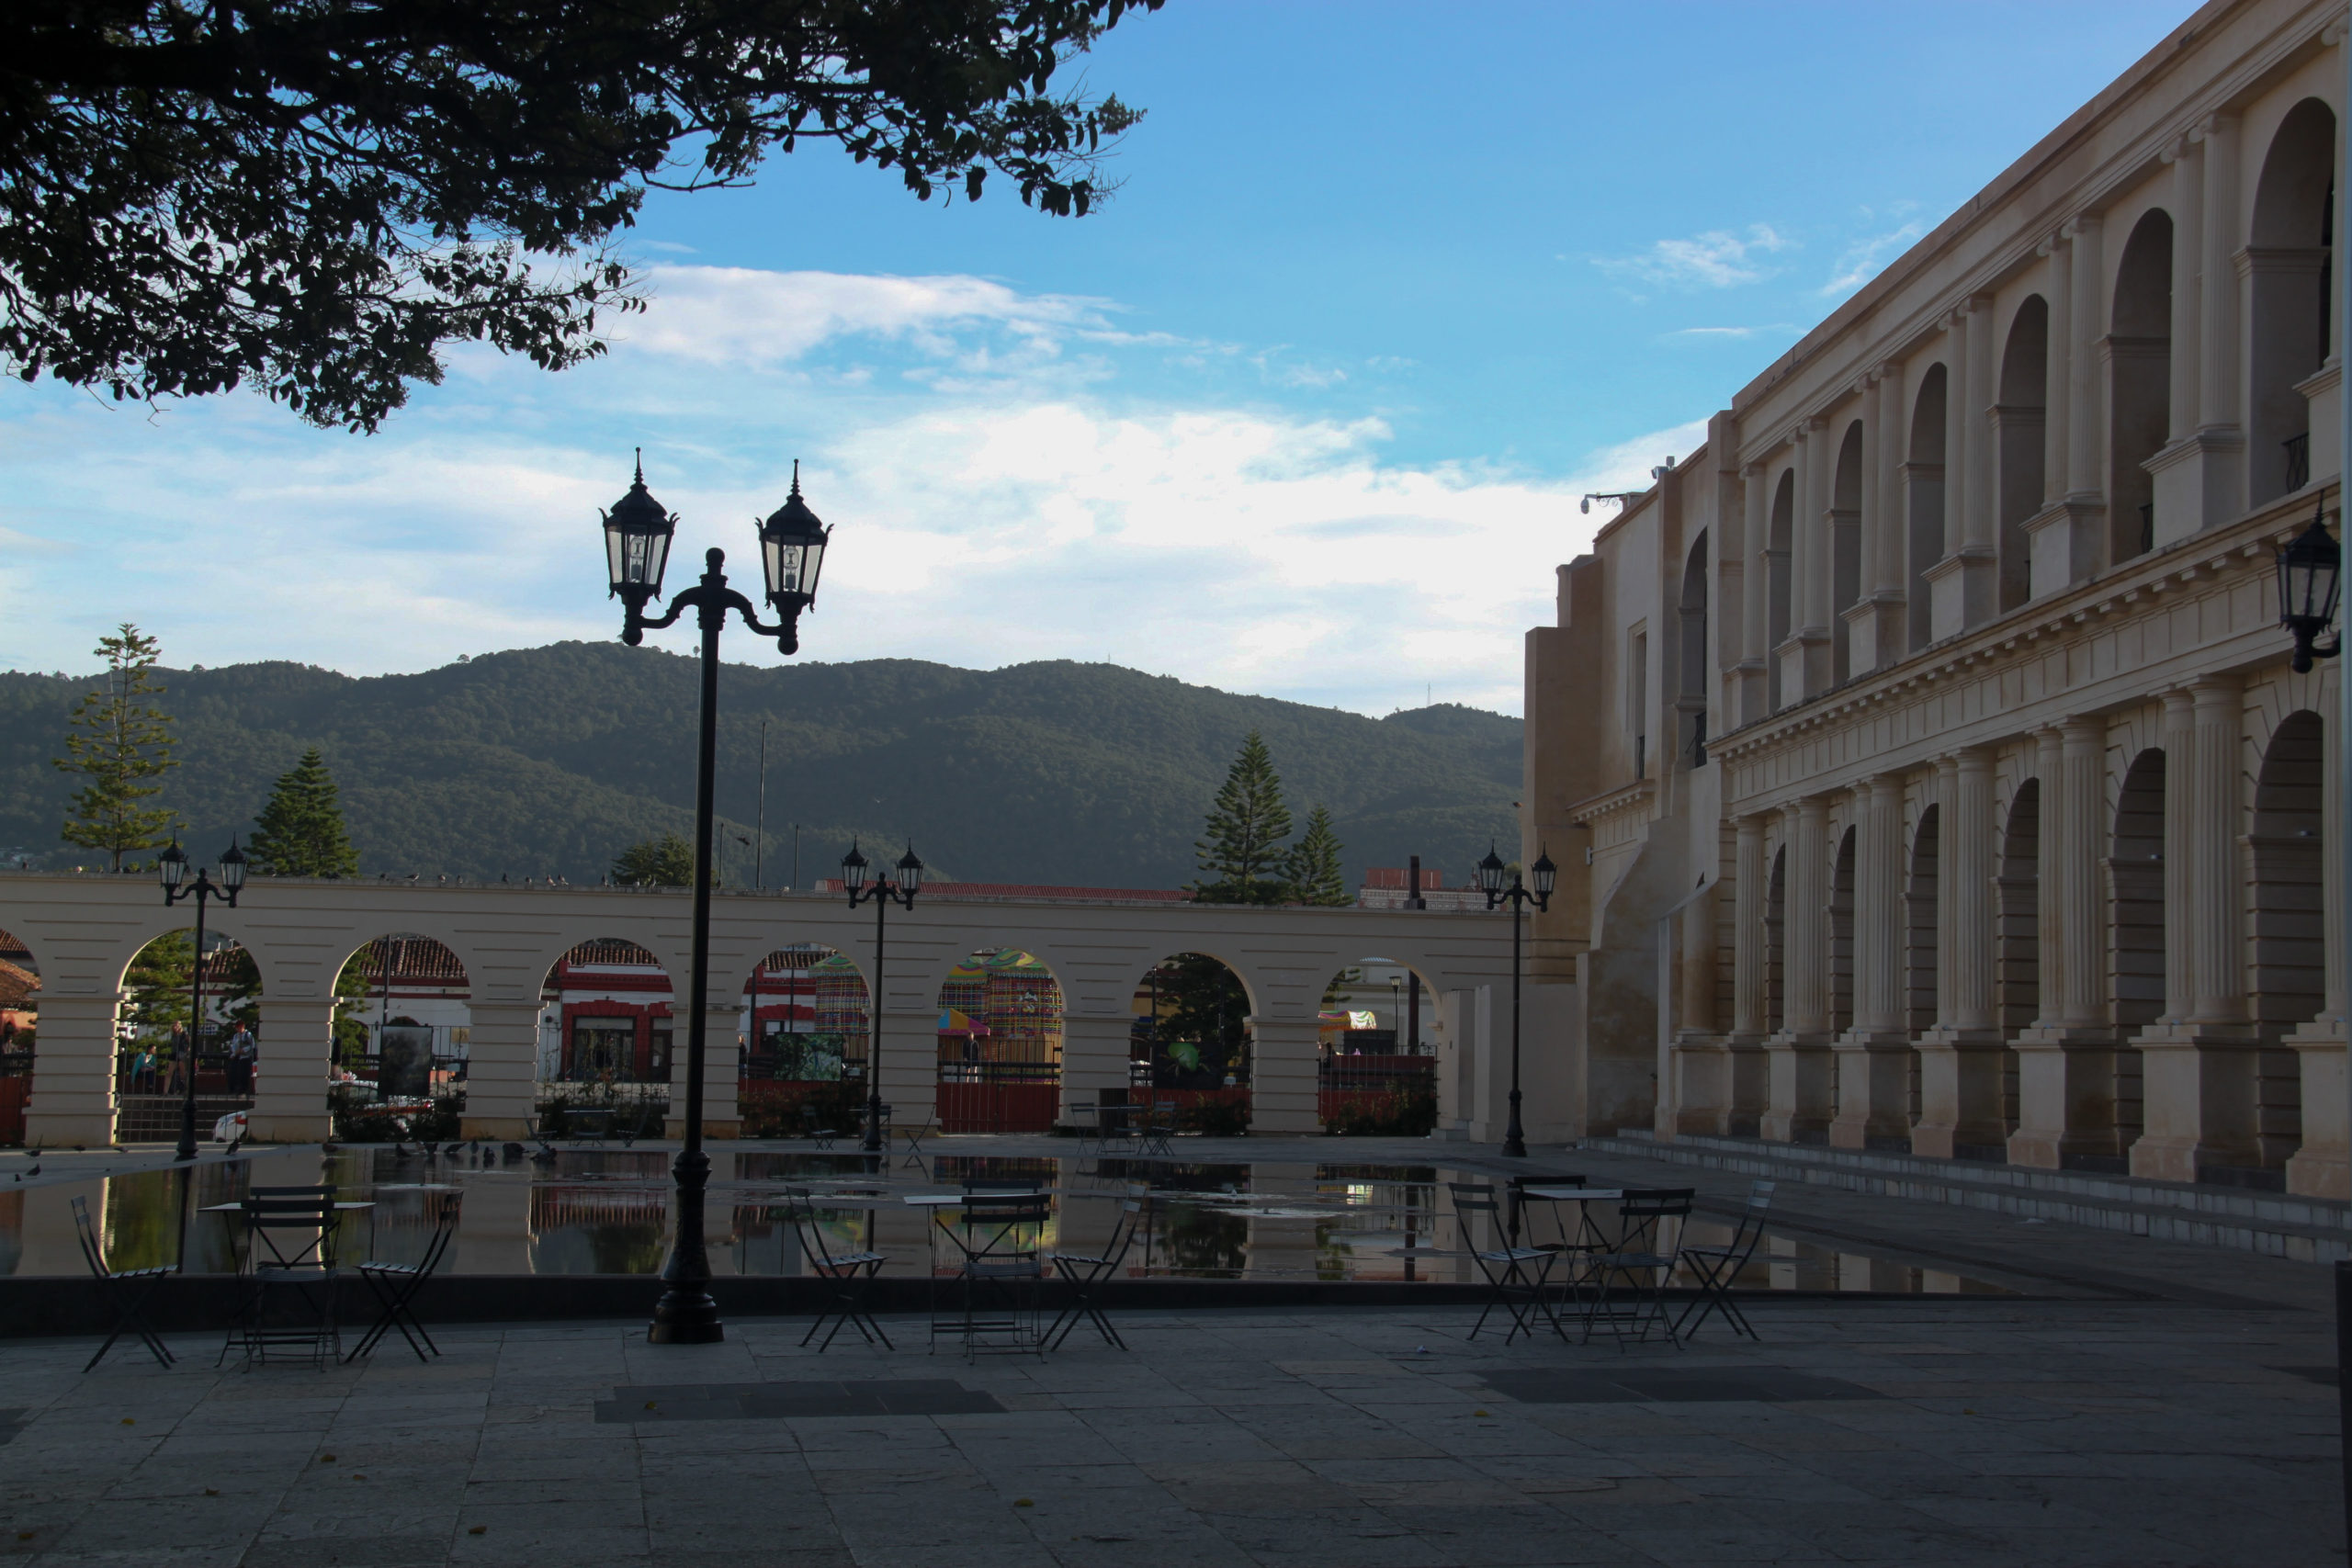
pixel 680 1318
pixel 1514 1139
pixel 685 1314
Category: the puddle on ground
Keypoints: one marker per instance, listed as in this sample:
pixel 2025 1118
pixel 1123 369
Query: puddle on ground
pixel 608 1211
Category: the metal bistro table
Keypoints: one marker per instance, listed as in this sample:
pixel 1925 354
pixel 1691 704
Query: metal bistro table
pixel 313 1265
pixel 1017 1318
pixel 1589 1237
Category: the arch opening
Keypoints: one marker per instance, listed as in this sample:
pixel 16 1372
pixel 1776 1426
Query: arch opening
pixel 2017 951
pixel 1691 685
pixel 1777 585
pixel 1776 925
pixel 999 1045
pixel 806 1028
pixel 607 1039
pixel 160 1040
pixel 403 1037
pixel 2017 451
pixel 1923 502
pixel 2136 941
pixel 2289 330
pixel 2139 383
pixel 1188 1042
pixel 1376 1052
pixel 1845 550
pixel 2287 904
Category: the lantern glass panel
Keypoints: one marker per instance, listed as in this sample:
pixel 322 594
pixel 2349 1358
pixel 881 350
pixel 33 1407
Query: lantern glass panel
pixel 233 867
pixel 171 866
pixel 1490 872
pixel 1547 875
pixel 854 869
pixel 909 872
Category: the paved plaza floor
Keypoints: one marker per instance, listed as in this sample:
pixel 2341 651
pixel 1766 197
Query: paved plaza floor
pixel 2158 1403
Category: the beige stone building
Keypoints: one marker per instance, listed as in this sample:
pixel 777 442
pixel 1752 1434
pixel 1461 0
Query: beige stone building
pixel 1921 755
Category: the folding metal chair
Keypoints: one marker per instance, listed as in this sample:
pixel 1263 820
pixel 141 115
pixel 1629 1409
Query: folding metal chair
pixel 1158 1125
pixel 396 1284
pixel 290 1262
pixel 1516 1276
pixel 1629 1280
pixel 1001 1274
pixel 129 1305
pixel 1084 1274
pixel 1712 1269
pixel 846 1273
pixel 821 1136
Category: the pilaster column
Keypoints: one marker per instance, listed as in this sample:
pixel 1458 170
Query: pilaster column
pixel 1747 931
pixel 2066 1080
pixel 1095 1052
pixel 1282 1070
pixel 1806 656
pixel 1702 1061
pixel 2217 279
pixel 2085 422
pixel 2180 854
pixel 501 1068
pixel 909 1068
pixel 294 1047
pixel 722 1117
pixel 2058 386
pixel 1800 1062
pixel 2187 160
pixel 1874 1058
pixel 1960 1059
pixel 2320 1169
pixel 2217 918
pixel 1755 585
pixel 72 1089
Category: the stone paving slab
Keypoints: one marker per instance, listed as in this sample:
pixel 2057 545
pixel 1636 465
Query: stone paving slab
pixel 2042 1432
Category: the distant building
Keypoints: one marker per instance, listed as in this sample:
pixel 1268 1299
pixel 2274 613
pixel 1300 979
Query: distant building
pixel 1383 888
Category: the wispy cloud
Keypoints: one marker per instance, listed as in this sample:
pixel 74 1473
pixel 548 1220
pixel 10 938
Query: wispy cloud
pixel 1734 334
pixel 1866 257
pixel 1717 259
pixel 736 315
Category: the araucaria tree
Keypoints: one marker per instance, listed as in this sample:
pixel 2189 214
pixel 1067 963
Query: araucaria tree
pixel 1242 859
pixel 317 196
pixel 1313 865
pixel 121 742
pixel 300 832
pixel 665 861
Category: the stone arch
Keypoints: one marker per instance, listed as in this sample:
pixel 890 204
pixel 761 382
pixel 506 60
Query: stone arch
pixel 1921 994
pixel 1778 540
pixel 405 1025
pixel 159 1043
pixel 2140 382
pixel 2287 940
pixel 1691 685
pixel 806 1017
pixel 1375 1064
pixel 2288 260
pixel 2019 448
pixel 1923 500
pixel 1845 549
pixel 998 1044
pixel 608 1017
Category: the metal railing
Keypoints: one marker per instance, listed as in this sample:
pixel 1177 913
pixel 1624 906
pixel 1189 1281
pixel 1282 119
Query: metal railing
pixel 2299 461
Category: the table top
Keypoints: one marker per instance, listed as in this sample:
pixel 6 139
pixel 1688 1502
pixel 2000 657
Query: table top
pixel 932 1200
pixel 1575 1194
pixel 240 1208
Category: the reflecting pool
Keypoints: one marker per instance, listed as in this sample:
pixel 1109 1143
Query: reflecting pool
pixel 608 1211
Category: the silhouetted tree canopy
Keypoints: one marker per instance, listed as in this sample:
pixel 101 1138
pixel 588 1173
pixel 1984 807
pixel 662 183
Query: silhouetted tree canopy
pixel 317 196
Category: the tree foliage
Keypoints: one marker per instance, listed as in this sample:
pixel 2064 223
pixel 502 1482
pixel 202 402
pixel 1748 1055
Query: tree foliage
pixel 158 982
pixel 301 831
pixel 1311 869
pixel 1241 857
pixel 665 861
pixel 1200 1003
pixel 121 742
pixel 317 196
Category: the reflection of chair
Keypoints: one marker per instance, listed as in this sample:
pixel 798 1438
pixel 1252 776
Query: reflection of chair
pixel 1629 1280
pixel 847 1274
pixel 1515 1275
pixel 289 1266
pixel 821 1136
pixel 396 1285
pixel 1713 1269
pixel 1085 1273
pixel 129 1305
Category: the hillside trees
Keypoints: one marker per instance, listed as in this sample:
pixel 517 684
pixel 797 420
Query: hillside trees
pixel 316 197
pixel 121 742
pixel 301 831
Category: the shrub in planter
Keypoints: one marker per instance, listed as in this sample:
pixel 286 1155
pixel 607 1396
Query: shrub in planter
pixel 1215 1119
pixel 1396 1115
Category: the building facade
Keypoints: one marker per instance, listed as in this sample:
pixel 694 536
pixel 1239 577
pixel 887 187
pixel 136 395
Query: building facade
pixel 1946 785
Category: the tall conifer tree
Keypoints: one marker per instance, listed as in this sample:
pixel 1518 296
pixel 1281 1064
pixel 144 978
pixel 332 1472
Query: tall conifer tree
pixel 301 831
pixel 121 742
pixel 1313 863
pixel 1242 859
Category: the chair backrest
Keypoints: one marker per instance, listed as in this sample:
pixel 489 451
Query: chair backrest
pixel 1750 1229
pixel 1474 1197
pixel 1642 1210
pixel 92 1253
pixel 307 1223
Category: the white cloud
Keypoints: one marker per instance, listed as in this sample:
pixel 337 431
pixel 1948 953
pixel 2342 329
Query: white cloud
pixel 1865 258
pixel 737 316
pixel 1717 259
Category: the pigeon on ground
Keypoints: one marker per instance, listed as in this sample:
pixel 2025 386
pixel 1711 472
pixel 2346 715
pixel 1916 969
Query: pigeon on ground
pixel 402 1151
pixel 77 1148
pixel 546 1155
pixel 32 1170
pixel 513 1151
pixel 32 1153
pixel 330 1147
pixel 236 1143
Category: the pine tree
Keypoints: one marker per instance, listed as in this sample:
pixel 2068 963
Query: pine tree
pixel 301 831
pixel 665 861
pixel 119 742
pixel 1312 866
pixel 1241 860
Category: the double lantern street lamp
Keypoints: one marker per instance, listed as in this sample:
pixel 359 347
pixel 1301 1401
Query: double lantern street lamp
pixel 637 532
pixel 1490 882
pixel 883 894
pixel 171 869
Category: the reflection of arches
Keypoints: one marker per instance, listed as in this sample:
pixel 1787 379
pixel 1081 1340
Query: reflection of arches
pixel 1775 584
pixel 1845 548
pixel 608 1011
pixel 1776 925
pixel 1919 923
pixel 2139 383
pixel 2018 443
pixel 1923 500
pixel 2288 944
pixel 2288 263
pixel 2017 973
pixel 1691 685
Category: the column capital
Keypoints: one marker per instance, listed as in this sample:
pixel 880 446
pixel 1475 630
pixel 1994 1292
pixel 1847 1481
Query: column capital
pixel 1754 470
pixel 2214 125
pixel 2083 225
pixel 2177 149
pixel 2076 733
pixel 2213 691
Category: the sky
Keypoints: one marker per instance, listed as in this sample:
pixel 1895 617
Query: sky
pixel 1304 411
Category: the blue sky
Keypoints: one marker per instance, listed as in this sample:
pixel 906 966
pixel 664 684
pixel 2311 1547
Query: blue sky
pixel 1304 411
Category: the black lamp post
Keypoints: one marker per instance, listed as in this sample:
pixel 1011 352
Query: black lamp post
pixel 171 869
pixel 2310 582
pixel 882 895
pixel 637 546
pixel 1491 881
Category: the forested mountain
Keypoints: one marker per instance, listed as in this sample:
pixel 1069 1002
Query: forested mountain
pixel 551 759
